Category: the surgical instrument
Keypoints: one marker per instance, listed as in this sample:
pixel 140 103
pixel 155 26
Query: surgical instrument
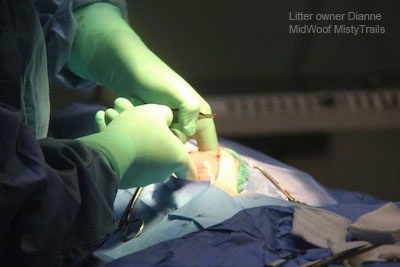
pixel 286 193
pixel 201 115
pixel 131 228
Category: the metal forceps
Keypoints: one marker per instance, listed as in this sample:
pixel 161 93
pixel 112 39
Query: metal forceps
pixel 286 193
pixel 131 228
pixel 201 116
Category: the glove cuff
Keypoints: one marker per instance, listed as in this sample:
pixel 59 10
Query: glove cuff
pixel 116 148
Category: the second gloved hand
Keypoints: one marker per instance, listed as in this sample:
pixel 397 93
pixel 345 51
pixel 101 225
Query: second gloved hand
pixel 139 145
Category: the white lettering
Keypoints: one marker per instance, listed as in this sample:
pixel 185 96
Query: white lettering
pixel 351 15
pixel 329 16
pixel 300 16
pixel 309 29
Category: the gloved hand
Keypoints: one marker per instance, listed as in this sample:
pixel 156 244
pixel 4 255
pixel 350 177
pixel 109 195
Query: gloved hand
pixel 139 145
pixel 106 50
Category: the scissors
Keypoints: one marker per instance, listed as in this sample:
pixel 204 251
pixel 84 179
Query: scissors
pixel 131 227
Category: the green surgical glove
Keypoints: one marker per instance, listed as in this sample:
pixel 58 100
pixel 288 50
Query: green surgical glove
pixel 106 50
pixel 138 143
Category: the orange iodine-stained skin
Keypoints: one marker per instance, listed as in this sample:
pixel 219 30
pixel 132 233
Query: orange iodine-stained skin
pixel 206 164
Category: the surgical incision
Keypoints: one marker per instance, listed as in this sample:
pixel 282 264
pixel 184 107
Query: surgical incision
pixel 220 169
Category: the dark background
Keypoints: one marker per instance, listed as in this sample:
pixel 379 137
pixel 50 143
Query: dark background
pixel 237 45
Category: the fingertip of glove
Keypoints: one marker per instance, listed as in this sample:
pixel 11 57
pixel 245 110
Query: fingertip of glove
pixel 100 120
pixel 110 114
pixel 121 104
pixel 99 115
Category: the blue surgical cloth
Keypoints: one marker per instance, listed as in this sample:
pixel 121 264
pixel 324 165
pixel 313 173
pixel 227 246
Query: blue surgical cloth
pixel 176 208
pixel 253 237
pixel 35 43
pixel 257 235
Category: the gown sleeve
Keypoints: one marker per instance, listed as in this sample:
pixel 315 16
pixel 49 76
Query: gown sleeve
pixel 56 197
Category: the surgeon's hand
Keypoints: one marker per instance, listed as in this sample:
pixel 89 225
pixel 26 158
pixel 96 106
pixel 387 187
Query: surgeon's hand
pixel 106 50
pixel 139 145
